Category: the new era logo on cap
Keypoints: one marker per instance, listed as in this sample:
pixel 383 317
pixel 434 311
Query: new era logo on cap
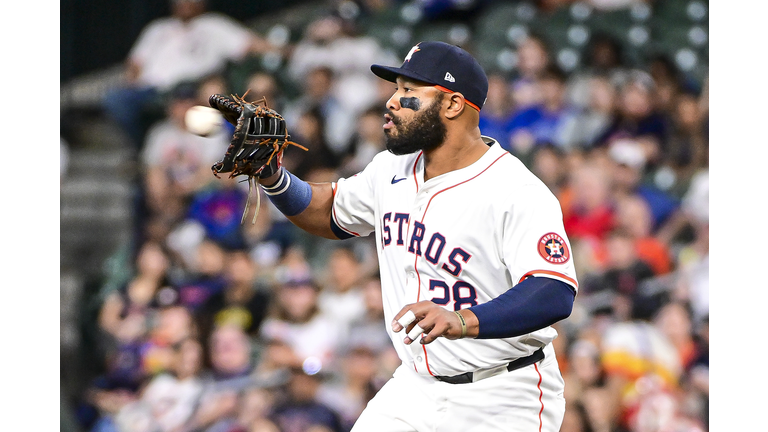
pixel 434 58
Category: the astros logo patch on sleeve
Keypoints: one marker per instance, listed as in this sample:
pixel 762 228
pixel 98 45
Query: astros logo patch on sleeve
pixel 553 249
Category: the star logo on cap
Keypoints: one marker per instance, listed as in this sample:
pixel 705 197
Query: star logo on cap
pixel 410 53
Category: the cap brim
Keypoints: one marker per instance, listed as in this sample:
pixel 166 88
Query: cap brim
pixel 390 73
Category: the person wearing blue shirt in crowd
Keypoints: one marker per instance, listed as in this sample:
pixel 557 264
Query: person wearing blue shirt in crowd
pixel 547 121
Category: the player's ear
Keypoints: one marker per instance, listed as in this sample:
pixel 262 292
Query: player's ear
pixel 455 105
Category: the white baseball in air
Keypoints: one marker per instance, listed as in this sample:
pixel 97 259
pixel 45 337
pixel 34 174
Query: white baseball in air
pixel 406 319
pixel 203 120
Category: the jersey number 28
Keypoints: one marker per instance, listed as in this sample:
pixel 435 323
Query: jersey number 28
pixel 461 293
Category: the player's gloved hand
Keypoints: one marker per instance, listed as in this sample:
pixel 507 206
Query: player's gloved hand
pixel 433 321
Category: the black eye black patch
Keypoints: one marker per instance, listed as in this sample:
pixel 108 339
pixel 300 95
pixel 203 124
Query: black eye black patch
pixel 410 103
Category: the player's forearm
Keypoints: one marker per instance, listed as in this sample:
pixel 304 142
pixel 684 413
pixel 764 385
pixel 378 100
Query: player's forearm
pixel 316 219
pixel 306 205
pixel 533 304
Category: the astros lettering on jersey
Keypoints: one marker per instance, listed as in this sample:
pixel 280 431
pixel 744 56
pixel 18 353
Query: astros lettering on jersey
pixel 443 240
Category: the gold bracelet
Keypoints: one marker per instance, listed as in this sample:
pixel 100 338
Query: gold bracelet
pixel 463 324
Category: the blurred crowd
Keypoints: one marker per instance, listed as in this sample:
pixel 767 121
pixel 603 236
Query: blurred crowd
pixel 213 323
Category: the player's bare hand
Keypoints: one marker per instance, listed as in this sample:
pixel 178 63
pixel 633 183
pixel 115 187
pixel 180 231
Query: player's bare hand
pixel 430 320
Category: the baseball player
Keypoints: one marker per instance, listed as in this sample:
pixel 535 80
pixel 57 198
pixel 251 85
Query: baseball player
pixel 475 264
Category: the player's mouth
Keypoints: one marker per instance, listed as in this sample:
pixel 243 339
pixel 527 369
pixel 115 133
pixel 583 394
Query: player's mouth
pixel 390 122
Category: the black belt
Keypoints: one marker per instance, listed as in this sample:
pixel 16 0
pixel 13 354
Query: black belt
pixel 467 377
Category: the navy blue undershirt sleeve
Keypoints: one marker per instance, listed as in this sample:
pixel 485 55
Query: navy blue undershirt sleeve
pixel 340 233
pixel 533 304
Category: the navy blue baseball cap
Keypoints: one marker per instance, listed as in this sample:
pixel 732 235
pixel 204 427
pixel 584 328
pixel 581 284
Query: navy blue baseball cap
pixel 447 67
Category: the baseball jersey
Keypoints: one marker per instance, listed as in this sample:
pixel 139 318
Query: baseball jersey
pixel 459 239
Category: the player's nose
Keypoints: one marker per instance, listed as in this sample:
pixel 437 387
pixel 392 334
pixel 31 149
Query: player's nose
pixel 393 103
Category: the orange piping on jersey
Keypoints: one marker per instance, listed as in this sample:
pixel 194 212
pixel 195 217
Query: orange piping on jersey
pixel 426 360
pixel 541 395
pixel 333 212
pixel 533 272
pixel 418 275
pixel 415 180
pixel 457 184
pixel 416 260
pixel 418 295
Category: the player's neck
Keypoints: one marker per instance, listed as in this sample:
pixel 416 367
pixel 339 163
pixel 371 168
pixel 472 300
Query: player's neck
pixel 457 152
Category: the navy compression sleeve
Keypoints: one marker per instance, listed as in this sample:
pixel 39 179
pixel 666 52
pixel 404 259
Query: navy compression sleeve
pixel 532 304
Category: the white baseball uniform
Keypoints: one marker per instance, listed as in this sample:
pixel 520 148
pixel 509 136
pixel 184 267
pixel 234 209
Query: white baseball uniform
pixel 460 239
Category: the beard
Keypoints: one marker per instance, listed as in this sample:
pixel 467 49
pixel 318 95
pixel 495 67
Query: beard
pixel 424 132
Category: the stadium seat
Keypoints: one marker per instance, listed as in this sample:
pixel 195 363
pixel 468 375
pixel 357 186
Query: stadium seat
pixel 457 33
pixel 675 12
pixel 491 22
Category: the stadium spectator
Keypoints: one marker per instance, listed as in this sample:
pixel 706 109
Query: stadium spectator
pixel 270 237
pixel 576 419
pixel 584 369
pixel 218 208
pixel 205 277
pixel 215 83
pixel 675 322
pixel 497 111
pixel 302 410
pixel 621 274
pixel 174 324
pixel 533 56
pixel 317 93
pixel 546 121
pixel 332 42
pixel 640 363
pixel 229 375
pixel 169 400
pixel 693 256
pixel 366 143
pixel 598 407
pixel 628 167
pixel 125 313
pixel 370 328
pixel 256 405
pixel 634 215
pixel 188 45
pixel 636 118
pixel 697 375
pixel 341 296
pixel 591 213
pixel 264 85
pixel 603 59
pixel 298 322
pixel 319 161
pixel 688 143
pixel 175 162
pixel 244 300
pixel 550 164
pixel 349 394
pixel 595 117
pixel 669 85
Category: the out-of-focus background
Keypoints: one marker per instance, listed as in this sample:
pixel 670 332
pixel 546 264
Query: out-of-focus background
pixel 177 317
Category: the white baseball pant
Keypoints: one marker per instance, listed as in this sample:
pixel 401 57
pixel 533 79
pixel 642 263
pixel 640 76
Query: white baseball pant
pixel 529 399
